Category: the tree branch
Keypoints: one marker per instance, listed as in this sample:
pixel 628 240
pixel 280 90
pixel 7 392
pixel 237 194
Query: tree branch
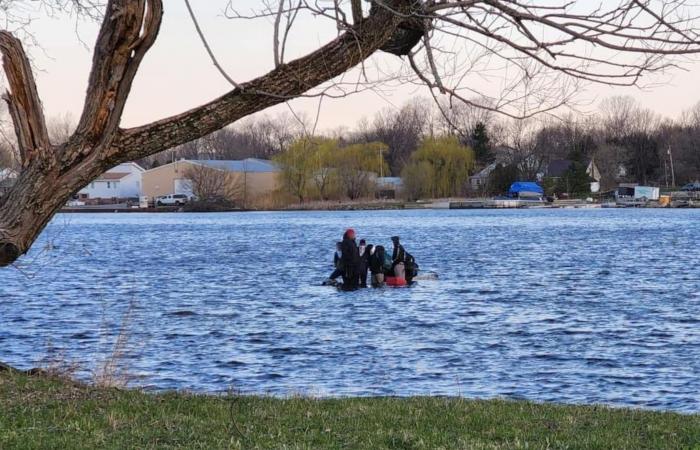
pixel 23 100
pixel 356 11
pixel 128 31
pixel 206 45
pixel 283 83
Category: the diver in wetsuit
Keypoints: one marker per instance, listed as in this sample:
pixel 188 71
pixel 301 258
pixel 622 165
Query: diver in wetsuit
pixel 350 261
pixel 398 258
pixel 337 256
pixel 364 251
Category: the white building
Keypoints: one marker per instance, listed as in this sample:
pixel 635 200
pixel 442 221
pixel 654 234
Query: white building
pixel 122 181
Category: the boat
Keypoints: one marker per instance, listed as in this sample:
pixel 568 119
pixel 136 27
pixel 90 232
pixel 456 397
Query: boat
pixel 392 282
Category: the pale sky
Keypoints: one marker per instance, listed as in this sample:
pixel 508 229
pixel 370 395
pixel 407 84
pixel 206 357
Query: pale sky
pixel 177 74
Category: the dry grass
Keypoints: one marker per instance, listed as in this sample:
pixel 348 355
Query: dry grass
pixel 113 371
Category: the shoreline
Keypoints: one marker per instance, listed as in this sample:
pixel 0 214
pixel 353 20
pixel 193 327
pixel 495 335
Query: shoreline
pixel 38 373
pixel 40 412
pixel 477 204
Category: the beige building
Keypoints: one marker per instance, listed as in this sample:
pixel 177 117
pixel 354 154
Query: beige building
pixel 247 180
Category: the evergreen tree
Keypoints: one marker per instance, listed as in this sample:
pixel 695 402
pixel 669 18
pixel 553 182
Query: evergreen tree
pixel 502 177
pixel 481 143
pixel 575 181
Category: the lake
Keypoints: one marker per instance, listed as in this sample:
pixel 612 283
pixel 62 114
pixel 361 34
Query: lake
pixel 573 306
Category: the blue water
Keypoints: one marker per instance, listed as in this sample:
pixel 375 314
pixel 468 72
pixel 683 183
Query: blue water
pixel 582 306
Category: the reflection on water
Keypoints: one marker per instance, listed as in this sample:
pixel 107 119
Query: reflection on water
pixel 550 305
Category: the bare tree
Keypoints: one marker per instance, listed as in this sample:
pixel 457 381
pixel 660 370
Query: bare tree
pixel 461 118
pixel 636 130
pixel 523 149
pixel 210 184
pixel 61 128
pixel 254 137
pixel 401 130
pixel 617 116
pixel 547 46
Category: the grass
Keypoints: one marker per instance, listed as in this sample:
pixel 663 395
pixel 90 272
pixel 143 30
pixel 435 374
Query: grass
pixel 39 412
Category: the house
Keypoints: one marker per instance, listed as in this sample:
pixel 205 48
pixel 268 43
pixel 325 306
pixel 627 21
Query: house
pixel 480 180
pixel 558 167
pixel 121 182
pixel 255 177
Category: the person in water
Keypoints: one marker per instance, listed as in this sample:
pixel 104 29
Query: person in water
pixel 398 258
pixel 350 260
pixel 376 266
pixel 363 250
pixel 337 262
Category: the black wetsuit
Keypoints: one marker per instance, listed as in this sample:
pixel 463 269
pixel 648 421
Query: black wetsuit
pixel 350 263
pixel 364 266
pixel 399 255
pixel 376 261
pixel 336 263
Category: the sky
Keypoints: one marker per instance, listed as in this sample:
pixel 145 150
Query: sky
pixel 177 73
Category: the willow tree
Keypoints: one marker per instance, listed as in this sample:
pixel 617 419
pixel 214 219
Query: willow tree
pixel 356 165
pixel 545 47
pixel 439 168
pixel 298 165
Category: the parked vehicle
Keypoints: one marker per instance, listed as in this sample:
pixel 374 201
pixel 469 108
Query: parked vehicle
pixel 691 187
pixel 172 200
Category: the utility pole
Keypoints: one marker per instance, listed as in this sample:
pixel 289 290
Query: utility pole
pixel 245 184
pixel 673 173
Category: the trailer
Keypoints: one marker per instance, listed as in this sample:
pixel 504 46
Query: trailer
pixel 628 194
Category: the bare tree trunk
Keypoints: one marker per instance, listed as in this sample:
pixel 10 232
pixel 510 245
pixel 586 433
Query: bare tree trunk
pixel 51 174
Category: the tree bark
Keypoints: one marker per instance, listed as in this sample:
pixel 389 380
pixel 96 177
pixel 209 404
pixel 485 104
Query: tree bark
pixel 52 174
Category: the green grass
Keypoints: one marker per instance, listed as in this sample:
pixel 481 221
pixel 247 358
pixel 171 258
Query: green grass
pixel 37 412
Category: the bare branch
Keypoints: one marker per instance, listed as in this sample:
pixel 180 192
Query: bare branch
pixel 23 100
pixel 207 47
pixel 288 81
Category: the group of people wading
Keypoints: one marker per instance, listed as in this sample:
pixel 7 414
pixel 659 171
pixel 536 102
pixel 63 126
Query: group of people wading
pixel 353 262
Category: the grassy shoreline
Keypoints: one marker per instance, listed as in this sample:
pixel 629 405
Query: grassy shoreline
pixel 41 412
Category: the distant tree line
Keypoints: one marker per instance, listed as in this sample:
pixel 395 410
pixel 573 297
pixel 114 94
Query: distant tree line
pixel 436 148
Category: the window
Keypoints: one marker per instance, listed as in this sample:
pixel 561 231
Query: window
pixel 92 185
pixel 109 185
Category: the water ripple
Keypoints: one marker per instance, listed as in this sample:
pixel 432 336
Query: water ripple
pixel 598 306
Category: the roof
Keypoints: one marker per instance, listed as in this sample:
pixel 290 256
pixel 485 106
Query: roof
pixel 130 163
pixel 558 167
pixel 486 171
pixel 250 165
pixel 112 176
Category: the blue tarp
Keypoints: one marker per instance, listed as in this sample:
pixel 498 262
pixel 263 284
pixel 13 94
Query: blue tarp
pixel 524 186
